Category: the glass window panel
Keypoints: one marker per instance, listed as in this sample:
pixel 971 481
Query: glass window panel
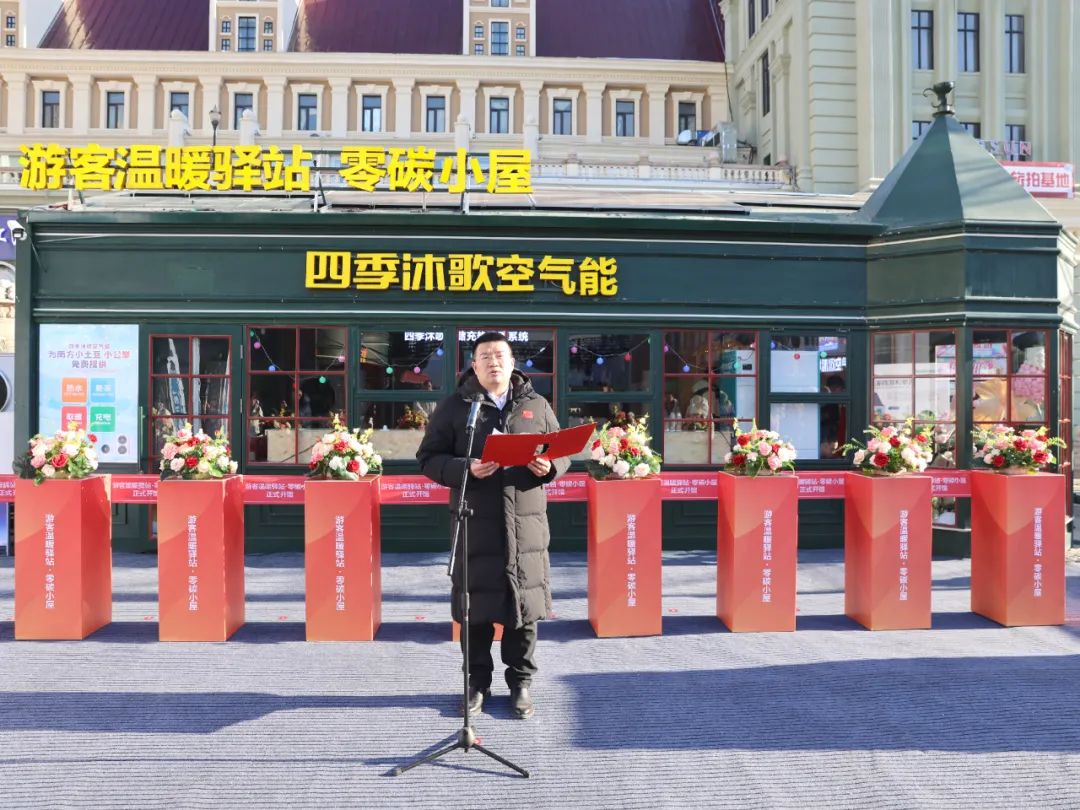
pixel 800 424
pixel 273 396
pixel 808 364
pixel 322 349
pixel 171 396
pixel 321 396
pixel 989 352
pixel 685 446
pixel 935 399
pixel 210 394
pixel 210 424
pixel 734 353
pixel 170 355
pixel 944 445
pixel 1028 399
pixel 534 349
pixel 686 352
pixel 273 347
pixel 1029 353
pixel 399 427
pixel 409 360
pixel 210 355
pixel 988 400
pixel 609 363
pixel 163 429
pixel 935 352
pixel 892 353
pixel 892 399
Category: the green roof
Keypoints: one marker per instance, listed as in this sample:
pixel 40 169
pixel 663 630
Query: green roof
pixel 947 178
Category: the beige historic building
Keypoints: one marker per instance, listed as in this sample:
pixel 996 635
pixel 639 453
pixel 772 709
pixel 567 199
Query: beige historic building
pixel 835 87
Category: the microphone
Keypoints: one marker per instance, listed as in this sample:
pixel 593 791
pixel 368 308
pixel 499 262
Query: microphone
pixel 474 411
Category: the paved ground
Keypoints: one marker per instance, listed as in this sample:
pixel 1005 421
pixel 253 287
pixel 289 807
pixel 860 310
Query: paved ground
pixel 967 714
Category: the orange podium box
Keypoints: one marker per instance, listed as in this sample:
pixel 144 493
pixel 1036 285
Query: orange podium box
pixel 887 547
pixel 342 559
pixel 1018 548
pixel 624 562
pixel 757 541
pixel 63 557
pixel 200 558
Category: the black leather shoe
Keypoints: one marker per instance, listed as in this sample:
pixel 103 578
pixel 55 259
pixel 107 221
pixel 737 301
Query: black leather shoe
pixel 521 703
pixel 476 699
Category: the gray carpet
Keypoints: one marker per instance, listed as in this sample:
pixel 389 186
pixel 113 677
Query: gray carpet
pixel 967 714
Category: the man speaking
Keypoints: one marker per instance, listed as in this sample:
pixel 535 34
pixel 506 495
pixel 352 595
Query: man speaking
pixel 508 532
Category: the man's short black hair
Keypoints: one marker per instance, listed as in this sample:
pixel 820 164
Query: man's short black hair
pixel 490 337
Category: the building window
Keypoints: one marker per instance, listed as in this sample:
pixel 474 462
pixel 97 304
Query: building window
pixel 500 3
pixel 268 44
pixel 766 85
pixel 562 111
pixel 371 114
pixel 608 378
pixel 808 385
pixel 179 101
pixel 973 128
pixel 402 375
pixel 914 377
pixel 520 32
pixel 918 129
pixel 478 31
pixel 687 116
pixel 9 40
pixel 922 40
pixel 242 102
pixel 114 110
pixel 751 18
pixel 189 382
pixel 268 26
pixel 296 385
pixel 50 109
pixel 1015 142
pixel 226 26
pixel 1009 377
pixel 710 382
pixel 226 45
pixel 624 119
pixel 967 42
pixel 436 114
pixel 500 39
pixel 245 36
pixel 478 49
pixel 499 115
pixel 9 22
pixel 1014 43
pixel 519 50
pixel 764 9
pixel 307 112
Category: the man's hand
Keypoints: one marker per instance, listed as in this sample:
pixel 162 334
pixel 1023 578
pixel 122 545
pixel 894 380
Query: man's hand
pixel 482 469
pixel 540 466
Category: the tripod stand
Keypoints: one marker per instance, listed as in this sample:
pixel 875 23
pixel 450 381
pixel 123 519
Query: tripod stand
pixel 466 739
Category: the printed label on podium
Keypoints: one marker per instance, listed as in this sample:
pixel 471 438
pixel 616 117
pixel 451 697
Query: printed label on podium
pixel 63 558
pixel 756 551
pixel 1018 548
pixel 624 560
pixel 342 560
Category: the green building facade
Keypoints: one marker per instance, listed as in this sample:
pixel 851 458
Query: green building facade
pixel 942 300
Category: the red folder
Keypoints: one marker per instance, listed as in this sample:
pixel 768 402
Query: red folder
pixel 518 449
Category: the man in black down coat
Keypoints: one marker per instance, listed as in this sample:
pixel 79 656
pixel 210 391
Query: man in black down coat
pixel 509 572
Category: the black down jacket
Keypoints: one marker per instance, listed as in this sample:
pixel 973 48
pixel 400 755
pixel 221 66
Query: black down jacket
pixel 509 572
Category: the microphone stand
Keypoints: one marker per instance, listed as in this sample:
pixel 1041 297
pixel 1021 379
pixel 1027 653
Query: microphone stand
pixel 466 738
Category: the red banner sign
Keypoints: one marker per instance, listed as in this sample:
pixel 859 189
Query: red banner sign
pixel 821 485
pixel 397 489
pixel 394 489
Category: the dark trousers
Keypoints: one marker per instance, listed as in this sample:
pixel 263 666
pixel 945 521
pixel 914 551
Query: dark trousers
pixel 518 648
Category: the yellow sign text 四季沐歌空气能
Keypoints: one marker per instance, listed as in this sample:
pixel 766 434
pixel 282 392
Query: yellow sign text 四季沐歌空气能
pixel 459 273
